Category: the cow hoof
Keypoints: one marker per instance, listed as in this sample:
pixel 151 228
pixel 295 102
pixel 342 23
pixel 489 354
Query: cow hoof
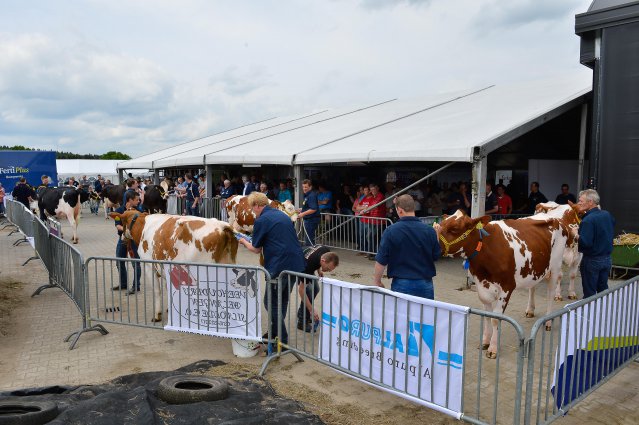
pixel 559 298
pixel 548 328
pixel 491 354
pixel 572 297
pixel 530 314
pixel 75 241
pixel 483 346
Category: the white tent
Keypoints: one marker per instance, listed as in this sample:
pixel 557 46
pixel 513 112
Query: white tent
pixel 443 127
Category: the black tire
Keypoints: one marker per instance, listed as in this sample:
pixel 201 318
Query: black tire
pixel 21 412
pixel 184 389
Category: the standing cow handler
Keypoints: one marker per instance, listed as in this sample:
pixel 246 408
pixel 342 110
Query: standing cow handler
pixel 409 248
pixel 595 236
pixel 132 202
pixel 274 236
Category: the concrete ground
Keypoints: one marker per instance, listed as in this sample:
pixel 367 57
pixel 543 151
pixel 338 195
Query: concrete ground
pixel 32 351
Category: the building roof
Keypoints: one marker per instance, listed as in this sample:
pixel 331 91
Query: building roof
pixel 606 13
pixel 440 127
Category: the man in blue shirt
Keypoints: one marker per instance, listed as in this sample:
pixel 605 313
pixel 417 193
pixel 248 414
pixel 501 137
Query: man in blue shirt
pixel 274 236
pixel 409 248
pixel 192 196
pixel 309 213
pixel 596 232
pixel 131 202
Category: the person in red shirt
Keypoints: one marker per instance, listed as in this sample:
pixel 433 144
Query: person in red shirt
pixel 504 203
pixel 377 220
pixel 361 203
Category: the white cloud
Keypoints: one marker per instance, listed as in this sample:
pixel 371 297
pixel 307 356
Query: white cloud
pixel 137 76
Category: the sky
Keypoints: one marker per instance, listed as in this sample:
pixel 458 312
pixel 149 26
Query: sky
pixel 136 76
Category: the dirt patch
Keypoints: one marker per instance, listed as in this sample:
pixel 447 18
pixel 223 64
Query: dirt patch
pixel 10 292
pixel 330 410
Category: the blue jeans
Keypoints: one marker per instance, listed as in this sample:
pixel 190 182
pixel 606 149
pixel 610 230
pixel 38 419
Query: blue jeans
pixel 418 287
pixel 192 210
pixel 310 226
pixel 594 274
pixel 277 314
pixel 362 229
pixel 120 252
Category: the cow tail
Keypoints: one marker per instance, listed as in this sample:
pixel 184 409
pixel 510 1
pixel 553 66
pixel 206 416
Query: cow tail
pixel 230 243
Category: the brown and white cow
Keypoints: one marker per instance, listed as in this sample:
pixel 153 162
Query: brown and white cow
pixel 504 255
pixel 177 238
pixel 62 202
pixel 241 216
pixel 568 216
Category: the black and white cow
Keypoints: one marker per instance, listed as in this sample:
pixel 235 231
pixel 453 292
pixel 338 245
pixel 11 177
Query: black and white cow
pixel 155 199
pixel 112 196
pixel 62 202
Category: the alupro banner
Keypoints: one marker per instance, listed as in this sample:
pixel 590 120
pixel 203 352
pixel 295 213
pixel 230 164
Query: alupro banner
pixel 409 346
pixel 217 301
pixel 596 339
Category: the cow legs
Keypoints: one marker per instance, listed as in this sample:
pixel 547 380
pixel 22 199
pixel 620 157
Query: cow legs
pixel 558 296
pixel 153 274
pixel 530 309
pixel 572 295
pixel 550 300
pixel 74 227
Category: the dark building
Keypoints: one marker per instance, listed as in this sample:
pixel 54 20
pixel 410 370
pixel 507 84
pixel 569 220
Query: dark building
pixel 609 33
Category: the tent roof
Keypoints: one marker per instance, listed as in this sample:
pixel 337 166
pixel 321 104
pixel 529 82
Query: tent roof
pixel 607 13
pixel 442 127
pixel 79 167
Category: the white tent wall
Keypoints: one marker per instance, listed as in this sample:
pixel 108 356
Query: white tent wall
pixel 551 174
pixel 77 168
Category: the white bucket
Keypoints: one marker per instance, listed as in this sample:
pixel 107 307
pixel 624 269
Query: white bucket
pixel 244 349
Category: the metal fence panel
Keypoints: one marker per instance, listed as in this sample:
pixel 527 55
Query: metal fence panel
pixel 203 298
pixel 213 208
pixel 354 233
pixel 589 342
pixel 491 387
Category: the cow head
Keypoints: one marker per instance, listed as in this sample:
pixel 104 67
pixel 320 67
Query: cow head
pixel 287 208
pixel 84 195
pixel 129 220
pixel 456 230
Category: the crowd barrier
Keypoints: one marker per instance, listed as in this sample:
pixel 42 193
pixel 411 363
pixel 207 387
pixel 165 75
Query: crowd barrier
pixel 427 352
pixel 211 299
pixel 591 340
pixel 353 233
pixel 213 208
pixel 413 348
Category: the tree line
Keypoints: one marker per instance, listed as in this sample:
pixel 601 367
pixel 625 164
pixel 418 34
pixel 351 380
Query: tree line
pixel 71 155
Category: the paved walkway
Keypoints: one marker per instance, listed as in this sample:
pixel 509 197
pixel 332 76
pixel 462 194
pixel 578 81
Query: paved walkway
pixel 34 354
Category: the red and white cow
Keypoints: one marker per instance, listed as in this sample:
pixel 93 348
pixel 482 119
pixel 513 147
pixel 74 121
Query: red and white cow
pixel 242 217
pixel 504 255
pixel 568 216
pixel 62 202
pixel 179 239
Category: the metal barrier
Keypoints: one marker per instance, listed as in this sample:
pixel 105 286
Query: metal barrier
pixel 175 205
pixel 354 233
pixel 212 299
pixel 591 340
pixel 490 389
pixel 213 208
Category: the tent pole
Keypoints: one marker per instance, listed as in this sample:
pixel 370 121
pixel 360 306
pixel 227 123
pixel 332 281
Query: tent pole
pixel 297 184
pixel 478 184
pixel 210 188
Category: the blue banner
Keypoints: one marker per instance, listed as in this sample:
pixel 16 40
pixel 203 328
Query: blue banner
pixel 28 164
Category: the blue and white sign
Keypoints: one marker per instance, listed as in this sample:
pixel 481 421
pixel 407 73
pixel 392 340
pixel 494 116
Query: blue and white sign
pixel 413 346
pixel 28 164
pixel 596 339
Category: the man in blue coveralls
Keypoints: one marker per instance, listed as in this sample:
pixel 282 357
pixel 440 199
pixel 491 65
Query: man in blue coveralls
pixel 309 213
pixel 274 236
pixel 409 248
pixel 596 233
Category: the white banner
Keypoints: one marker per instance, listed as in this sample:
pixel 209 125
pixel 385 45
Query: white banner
pixel 216 301
pixel 413 346
pixel 596 339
